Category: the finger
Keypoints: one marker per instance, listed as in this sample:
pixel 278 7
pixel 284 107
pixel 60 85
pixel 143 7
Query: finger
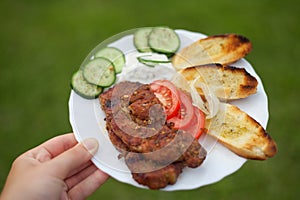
pixel 79 169
pixel 52 147
pixel 59 144
pixel 78 177
pixel 74 158
pixel 88 186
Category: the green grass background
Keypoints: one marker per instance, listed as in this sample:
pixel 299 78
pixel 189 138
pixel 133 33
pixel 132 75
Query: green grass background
pixel 43 42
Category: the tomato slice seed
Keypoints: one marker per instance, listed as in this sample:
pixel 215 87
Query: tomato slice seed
pixel 167 94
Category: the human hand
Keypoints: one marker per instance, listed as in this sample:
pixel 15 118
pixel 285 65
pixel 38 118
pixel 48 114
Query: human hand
pixel 60 169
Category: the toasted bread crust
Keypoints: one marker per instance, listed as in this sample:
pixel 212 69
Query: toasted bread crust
pixel 241 133
pixel 228 82
pixel 223 49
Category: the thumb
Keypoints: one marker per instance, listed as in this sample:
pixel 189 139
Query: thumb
pixel 73 158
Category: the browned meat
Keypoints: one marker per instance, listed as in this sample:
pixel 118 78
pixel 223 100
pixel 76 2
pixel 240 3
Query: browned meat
pixel 153 150
pixel 160 178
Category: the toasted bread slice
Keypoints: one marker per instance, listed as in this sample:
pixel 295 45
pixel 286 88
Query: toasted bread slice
pixel 223 49
pixel 226 82
pixel 240 133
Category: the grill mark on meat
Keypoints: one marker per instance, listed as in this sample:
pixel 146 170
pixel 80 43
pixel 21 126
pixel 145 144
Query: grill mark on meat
pixel 151 148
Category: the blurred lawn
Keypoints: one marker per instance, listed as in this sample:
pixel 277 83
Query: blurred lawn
pixel 43 42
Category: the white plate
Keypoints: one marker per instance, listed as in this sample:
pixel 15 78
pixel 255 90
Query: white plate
pixel 87 120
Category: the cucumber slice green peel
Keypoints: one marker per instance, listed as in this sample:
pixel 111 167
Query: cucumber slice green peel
pixel 100 71
pixel 164 40
pixel 151 62
pixel 83 88
pixel 113 54
pixel 140 39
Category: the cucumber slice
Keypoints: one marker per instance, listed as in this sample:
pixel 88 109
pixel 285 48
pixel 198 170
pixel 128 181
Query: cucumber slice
pixel 146 60
pixel 100 71
pixel 164 40
pixel 140 39
pixel 83 88
pixel 113 54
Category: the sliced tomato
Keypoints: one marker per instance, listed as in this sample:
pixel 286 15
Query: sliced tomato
pixel 168 95
pixel 185 114
pixel 196 127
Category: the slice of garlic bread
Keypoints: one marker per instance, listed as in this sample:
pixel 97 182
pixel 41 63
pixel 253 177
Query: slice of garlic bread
pixel 223 49
pixel 240 133
pixel 226 82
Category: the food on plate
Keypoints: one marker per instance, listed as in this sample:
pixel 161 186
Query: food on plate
pixel 153 149
pixel 164 40
pixel 179 108
pixel 234 128
pixel 157 39
pixel 240 133
pixel 100 72
pixel 158 178
pixel 168 95
pixel 227 82
pixel 156 124
pixel 150 62
pixel 140 39
pixel 113 54
pixel 83 88
pixel 223 49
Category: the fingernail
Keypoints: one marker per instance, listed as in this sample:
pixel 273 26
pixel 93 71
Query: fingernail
pixel 91 145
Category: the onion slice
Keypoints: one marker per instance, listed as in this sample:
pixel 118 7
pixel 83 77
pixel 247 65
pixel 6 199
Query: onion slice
pixel 209 104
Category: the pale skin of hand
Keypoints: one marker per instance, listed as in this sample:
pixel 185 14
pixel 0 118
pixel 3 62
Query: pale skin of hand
pixel 58 169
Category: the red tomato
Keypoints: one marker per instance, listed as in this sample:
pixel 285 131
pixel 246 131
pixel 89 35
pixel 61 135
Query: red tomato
pixel 186 112
pixel 197 126
pixel 167 94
